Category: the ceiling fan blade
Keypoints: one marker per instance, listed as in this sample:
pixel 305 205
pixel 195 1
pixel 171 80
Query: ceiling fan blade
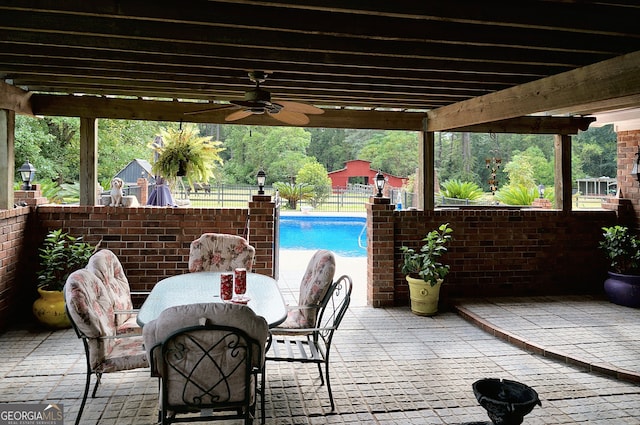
pixel 202 111
pixel 302 108
pixel 288 117
pixel 238 115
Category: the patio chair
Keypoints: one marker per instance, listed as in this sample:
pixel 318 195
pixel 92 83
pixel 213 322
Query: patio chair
pixel 313 344
pixel 208 357
pixel 99 306
pixel 220 252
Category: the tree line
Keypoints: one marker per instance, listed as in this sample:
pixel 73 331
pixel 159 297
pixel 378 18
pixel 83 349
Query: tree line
pixel 52 145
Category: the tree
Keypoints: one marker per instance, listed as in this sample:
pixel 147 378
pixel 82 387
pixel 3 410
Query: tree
pixel 120 142
pixel 395 152
pixel 51 144
pixel 280 151
pixel 329 148
pixel 315 175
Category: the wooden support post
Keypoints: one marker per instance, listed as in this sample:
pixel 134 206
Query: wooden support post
pixel 563 184
pixel 427 154
pixel 7 158
pixel 88 161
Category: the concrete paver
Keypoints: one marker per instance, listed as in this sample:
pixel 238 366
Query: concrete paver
pixel 388 366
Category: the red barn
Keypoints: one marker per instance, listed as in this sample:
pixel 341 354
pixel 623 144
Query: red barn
pixel 358 171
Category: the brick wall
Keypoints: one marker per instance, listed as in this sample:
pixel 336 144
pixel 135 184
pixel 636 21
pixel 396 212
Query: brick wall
pixel 628 186
pixel 153 242
pixel 12 229
pixel 503 252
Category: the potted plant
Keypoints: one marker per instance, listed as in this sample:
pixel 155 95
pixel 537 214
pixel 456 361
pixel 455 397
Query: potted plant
pixel 622 249
pixel 184 153
pixel 59 255
pixel 425 273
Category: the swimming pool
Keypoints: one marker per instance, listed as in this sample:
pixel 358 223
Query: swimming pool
pixel 346 236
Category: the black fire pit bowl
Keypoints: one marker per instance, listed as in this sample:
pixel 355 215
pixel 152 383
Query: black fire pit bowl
pixel 506 402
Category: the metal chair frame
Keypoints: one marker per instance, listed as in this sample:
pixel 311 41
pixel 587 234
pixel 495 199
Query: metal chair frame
pixel 313 345
pixel 81 335
pixel 209 398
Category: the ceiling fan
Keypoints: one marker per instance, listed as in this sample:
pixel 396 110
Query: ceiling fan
pixel 258 101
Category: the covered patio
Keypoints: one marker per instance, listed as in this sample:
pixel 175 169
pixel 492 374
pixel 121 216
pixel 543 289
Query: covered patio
pixel 546 67
pixel 422 375
pixel 539 67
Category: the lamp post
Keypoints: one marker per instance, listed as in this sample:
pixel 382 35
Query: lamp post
pixel 541 191
pixel 261 177
pixel 379 183
pixel 27 173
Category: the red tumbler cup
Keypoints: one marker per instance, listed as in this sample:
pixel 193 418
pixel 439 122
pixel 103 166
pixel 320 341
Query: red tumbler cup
pixel 226 286
pixel 241 281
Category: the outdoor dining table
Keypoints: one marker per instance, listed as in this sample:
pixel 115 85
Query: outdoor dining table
pixel 264 295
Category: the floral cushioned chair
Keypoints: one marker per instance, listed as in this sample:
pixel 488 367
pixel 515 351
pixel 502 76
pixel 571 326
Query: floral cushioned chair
pixel 306 335
pixel 98 303
pixel 315 283
pixel 207 357
pixel 219 252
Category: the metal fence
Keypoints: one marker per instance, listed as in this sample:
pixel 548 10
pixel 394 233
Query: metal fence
pixel 352 198
pixel 343 199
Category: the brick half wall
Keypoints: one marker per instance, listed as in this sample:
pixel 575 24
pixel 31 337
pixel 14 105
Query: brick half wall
pixel 495 252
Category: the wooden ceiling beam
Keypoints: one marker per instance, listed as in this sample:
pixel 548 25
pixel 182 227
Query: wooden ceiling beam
pixel 100 107
pixel 600 82
pixel 531 125
pixel 134 109
pixel 15 99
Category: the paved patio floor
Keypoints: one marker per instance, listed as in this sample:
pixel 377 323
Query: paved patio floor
pixel 388 366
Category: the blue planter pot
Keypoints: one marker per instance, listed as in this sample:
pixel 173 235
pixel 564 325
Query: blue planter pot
pixel 623 289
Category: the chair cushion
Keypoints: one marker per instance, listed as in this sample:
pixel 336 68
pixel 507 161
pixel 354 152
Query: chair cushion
pixel 126 353
pixel 106 266
pixel 93 295
pixel 178 317
pixel 220 252
pixel 315 283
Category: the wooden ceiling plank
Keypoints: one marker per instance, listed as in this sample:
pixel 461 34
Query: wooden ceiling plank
pixel 44 53
pixel 132 32
pixel 365 53
pixel 372 19
pixel 599 82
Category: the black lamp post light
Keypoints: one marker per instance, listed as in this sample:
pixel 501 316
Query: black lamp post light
pixel 261 177
pixel 379 183
pixel 27 173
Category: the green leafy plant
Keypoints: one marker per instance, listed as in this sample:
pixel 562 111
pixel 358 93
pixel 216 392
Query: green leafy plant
pixel 425 262
pixel 622 250
pixel 60 255
pixel 458 189
pixel 185 152
pixel 516 194
pixel 294 192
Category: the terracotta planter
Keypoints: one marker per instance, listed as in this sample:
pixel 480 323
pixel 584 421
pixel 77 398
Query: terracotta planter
pixel 424 297
pixel 49 309
pixel 623 289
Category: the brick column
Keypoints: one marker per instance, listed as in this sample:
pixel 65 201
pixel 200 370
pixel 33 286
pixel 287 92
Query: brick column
pixel 380 255
pixel 144 190
pixel 31 198
pixel 262 233
pixel 628 186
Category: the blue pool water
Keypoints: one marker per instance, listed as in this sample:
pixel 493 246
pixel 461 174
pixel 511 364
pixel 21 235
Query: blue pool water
pixel 346 236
